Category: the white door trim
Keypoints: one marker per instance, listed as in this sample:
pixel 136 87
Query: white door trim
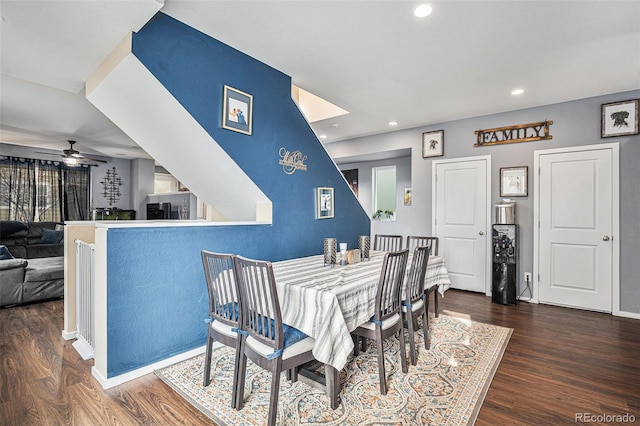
pixel 487 231
pixel 615 209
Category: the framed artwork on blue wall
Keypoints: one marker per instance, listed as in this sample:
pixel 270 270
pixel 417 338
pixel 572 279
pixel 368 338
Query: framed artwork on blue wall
pixel 237 110
pixel 324 203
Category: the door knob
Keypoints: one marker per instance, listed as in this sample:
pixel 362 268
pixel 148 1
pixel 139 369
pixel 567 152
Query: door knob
pixel 481 232
pixel 605 238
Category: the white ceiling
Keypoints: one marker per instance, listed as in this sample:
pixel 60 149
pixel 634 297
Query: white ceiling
pixel 372 58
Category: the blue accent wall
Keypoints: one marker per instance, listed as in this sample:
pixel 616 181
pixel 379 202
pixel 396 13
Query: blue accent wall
pixel 157 298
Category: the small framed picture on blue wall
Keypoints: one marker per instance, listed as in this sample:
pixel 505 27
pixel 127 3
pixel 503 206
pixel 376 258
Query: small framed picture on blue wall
pixel 324 203
pixel 237 110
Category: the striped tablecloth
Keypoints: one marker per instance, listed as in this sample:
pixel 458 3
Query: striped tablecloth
pixel 327 303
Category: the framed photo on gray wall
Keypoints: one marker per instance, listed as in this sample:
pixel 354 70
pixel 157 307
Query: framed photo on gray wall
pixel 513 181
pixel 433 144
pixel 620 118
pixel 237 110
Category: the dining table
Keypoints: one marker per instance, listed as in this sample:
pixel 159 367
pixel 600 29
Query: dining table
pixel 328 302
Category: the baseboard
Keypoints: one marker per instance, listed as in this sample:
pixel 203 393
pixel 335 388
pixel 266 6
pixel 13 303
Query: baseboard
pixel 132 375
pixel 83 348
pixel 66 335
pixel 627 314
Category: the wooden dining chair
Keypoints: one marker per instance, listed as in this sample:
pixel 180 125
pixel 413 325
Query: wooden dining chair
pixel 414 241
pixel 387 242
pixel 387 319
pixel 266 340
pixel 413 303
pixel 224 310
pixel 433 243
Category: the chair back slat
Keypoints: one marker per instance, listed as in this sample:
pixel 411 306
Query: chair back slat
pixel 417 272
pixel 416 241
pixel 392 275
pixel 387 242
pixel 261 307
pixel 224 297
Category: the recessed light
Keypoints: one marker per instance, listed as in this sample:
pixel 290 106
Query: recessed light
pixel 323 136
pixel 517 92
pixel 422 11
pixel 393 123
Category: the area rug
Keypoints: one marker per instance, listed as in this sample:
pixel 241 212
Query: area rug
pixel 446 387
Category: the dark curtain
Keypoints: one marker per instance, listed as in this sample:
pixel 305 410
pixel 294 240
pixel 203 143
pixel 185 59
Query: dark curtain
pixel 48 192
pixel 35 190
pixel 77 182
pixel 17 189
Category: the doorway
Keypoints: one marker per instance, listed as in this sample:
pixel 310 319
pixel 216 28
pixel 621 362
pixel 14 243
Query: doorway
pixel 461 219
pixel 576 261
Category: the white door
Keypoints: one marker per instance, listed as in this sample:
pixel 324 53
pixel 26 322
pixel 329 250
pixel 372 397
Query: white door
pixel 575 251
pixel 460 220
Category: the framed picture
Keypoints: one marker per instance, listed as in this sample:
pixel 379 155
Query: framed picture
pixel 237 110
pixel 324 203
pixel 433 144
pixel 513 181
pixel 407 196
pixel 620 118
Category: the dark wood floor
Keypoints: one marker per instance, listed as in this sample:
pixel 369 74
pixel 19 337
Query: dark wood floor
pixel 559 362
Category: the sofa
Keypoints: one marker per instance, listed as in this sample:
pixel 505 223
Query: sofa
pixel 31 262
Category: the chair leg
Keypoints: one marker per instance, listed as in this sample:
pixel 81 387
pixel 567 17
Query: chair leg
pixel 275 388
pixel 412 340
pixel 236 372
pixel 435 301
pixel 425 329
pixel 207 361
pixel 381 370
pixel 292 374
pixel 403 352
pixel 356 343
pixel 242 371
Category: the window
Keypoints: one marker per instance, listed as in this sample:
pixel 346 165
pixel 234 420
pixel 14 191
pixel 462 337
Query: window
pixel 384 192
pixel 164 184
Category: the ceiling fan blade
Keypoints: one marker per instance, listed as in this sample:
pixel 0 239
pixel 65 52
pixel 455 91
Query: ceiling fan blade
pixel 95 159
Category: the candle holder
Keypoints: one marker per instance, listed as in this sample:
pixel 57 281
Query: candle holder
pixel 364 244
pixel 330 246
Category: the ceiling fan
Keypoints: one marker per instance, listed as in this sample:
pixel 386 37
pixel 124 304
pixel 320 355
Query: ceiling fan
pixel 73 157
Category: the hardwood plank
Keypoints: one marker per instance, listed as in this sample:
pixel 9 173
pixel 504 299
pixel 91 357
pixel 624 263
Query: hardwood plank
pixel 559 362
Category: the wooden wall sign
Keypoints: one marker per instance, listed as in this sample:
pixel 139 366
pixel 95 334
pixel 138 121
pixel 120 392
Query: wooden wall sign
pixel 513 134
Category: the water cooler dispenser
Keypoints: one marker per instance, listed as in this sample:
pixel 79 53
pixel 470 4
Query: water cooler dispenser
pixel 505 254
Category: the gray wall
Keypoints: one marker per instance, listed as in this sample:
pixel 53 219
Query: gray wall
pixel 575 123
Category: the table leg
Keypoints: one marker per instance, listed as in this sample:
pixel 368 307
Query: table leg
pixel 332 377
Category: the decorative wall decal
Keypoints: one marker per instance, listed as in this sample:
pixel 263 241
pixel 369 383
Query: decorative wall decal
pixel 433 144
pixel 292 161
pixel 111 184
pixel 620 118
pixel 237 110
pixel 513 134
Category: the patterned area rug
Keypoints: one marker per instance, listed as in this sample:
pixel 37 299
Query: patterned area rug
pixel 446 387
